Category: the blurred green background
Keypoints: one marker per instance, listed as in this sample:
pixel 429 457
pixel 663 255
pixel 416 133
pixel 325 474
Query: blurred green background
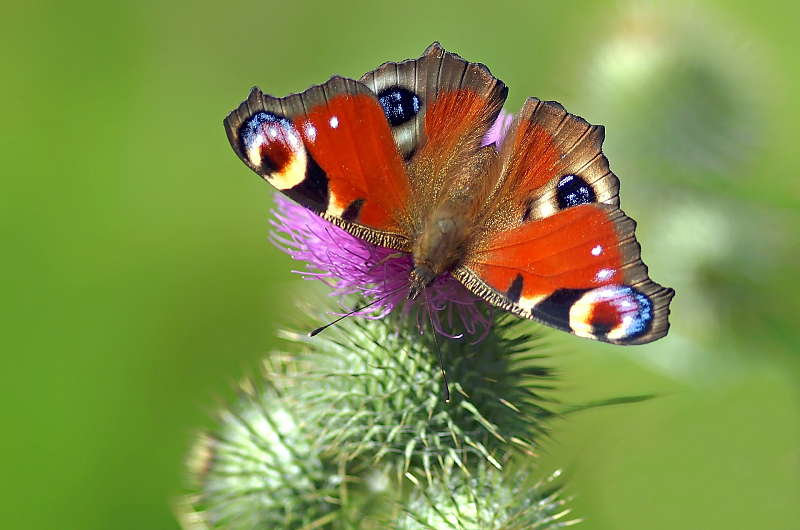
pixel 138 283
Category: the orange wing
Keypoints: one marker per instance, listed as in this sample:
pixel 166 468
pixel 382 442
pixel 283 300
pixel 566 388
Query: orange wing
pixel 439 107
pixel 554 246
pixel 366 154
pixel 464 94
pixel 331 150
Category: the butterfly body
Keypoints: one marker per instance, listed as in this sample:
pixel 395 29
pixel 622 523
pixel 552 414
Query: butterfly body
pixel 448 232
pixel 399 158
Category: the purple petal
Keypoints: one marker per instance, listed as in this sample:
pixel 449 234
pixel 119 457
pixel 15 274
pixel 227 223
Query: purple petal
pixel 497 132
pixel 353 266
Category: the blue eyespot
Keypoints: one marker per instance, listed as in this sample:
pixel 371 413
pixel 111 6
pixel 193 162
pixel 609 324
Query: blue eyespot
pixel 399 105
pixel 573 191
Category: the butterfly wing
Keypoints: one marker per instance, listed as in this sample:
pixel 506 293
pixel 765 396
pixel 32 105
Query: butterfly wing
pixel 439 107
pixel 436 98
pixel 330 149
pixel 365 154
pixel 374 156
pixel 554 245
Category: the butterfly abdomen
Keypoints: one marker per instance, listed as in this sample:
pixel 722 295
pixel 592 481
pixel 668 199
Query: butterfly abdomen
pixel 440 245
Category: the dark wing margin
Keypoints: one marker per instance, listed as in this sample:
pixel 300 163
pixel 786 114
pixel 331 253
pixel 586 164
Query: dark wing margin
pixel 550 160
pixel 578 270
pixel 590 313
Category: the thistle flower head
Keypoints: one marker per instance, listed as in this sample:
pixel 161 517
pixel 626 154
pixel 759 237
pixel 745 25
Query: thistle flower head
pixel 335 432
pixel 352 266
pixel 497 132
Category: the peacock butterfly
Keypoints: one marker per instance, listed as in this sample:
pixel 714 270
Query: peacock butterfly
pixel 398 158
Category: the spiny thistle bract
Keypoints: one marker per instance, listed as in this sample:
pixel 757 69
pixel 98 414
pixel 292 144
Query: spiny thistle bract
pixel 382 386
pixel 338 433
pixel 334 435
pixel 491 499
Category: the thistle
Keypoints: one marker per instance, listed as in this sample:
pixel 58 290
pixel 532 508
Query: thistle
pixel 349 429
pixel 351 266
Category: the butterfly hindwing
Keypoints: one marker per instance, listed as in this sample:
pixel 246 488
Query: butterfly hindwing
pixel 577 270
pixel 460 90
pixel 439 107
pixel 330 149
pixel 556 248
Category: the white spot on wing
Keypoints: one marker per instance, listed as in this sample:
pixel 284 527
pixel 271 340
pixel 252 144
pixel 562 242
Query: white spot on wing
pixel 334 122
pixel 603 274
pixel 310 131
pixel 294 140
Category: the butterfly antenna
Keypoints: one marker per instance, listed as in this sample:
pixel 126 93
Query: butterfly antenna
pixel 439 351
pixel 354 311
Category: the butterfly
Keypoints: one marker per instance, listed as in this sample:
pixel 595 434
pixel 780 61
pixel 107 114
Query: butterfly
pixel 398 158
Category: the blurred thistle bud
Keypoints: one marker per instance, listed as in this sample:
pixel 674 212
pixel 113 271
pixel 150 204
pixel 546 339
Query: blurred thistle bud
pixel 488 500
pixel 258 468
pixel 684 93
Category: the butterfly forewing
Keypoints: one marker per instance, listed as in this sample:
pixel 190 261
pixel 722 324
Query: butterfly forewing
pixel 331 150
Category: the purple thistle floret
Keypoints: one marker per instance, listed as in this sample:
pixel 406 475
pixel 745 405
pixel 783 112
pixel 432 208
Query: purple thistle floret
pixel 350 265
pixel 498 130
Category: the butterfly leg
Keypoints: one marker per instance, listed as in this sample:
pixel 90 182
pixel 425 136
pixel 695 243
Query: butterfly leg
pixel 387 258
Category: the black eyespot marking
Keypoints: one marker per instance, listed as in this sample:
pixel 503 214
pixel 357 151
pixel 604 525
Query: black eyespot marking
pixel 526 215
pixel 556 306
pixel 515 291
pixel 399 105
pixel 574 191
pixel 601 329
pixel 618 310
pixel 353 210
pixel 313 191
